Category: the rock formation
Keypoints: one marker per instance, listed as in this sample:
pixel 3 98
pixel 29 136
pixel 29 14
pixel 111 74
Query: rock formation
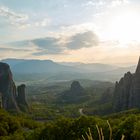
pixel 135 89
pixel 76 89
pixel 8 89
pixel 106 97
pixel 21 100
pixel 75 94
pixel 127 91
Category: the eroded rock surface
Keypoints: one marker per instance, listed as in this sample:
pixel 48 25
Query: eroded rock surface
pixel 127 91
pixel 8 89
pixel 21 99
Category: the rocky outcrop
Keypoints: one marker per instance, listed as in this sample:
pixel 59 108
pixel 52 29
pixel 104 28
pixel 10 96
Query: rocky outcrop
pixel 127 91
pixel 75 94
pixel 76 89
pixel 135 89
pixel 21 99
pixel 8 89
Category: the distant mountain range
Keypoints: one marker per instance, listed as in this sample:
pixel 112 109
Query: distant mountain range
pixel 22 66
pixel 47 70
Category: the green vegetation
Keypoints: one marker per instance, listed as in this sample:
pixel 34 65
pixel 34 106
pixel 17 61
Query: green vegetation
pixel 48 102
pixel 74 129
pixel 22 127
pixel 17 126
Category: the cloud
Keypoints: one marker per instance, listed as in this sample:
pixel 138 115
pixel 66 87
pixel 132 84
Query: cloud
pixel 13 49
pixel 82 40
pixel 115 3
pixel 93 3
pixel 103 3
pixel 55 45
pixel 40 46
pixel 35 48
pixel 22 20
pixel 78 28
pixel 48 45
pixel 19 44
pixel 13 17
pixel 89 3
pixel 45 22
pixel 51 45
pixel 15 52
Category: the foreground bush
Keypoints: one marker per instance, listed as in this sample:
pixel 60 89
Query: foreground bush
pixel 83 128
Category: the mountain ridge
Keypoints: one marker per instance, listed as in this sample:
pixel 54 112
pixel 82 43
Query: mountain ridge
pixel 34 69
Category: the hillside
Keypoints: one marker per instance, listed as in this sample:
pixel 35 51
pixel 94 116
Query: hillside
pixel 22 127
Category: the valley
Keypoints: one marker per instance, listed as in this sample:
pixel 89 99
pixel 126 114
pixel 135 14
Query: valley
pixel 69 69
pixel 58 105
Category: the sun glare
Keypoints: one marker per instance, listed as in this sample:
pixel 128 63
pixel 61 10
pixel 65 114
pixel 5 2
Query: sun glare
pixel 125 27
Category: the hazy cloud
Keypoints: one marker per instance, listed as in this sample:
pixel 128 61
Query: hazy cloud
pixel 103 3
pixel 115 3
pixel 94 3
pixel 41 46
pixel 13 49
pixel 82 40
pixel 46 42
pixel 47 45
pixel 13 17
pixel 45 22
pixel 22 20
pixel 55 45
pixel 77 41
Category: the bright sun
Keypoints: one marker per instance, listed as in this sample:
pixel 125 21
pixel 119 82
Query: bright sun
pixel 125 27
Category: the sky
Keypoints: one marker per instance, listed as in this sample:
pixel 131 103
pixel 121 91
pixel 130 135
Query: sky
pixel 88 31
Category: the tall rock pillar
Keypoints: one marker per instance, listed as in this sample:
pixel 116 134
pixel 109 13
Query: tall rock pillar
pixel 7 88
pixel 134 100
pixel 21 99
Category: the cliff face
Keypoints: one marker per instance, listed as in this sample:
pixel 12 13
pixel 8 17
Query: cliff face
pixel 135 89
pixel 127 91
pixel 8 88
